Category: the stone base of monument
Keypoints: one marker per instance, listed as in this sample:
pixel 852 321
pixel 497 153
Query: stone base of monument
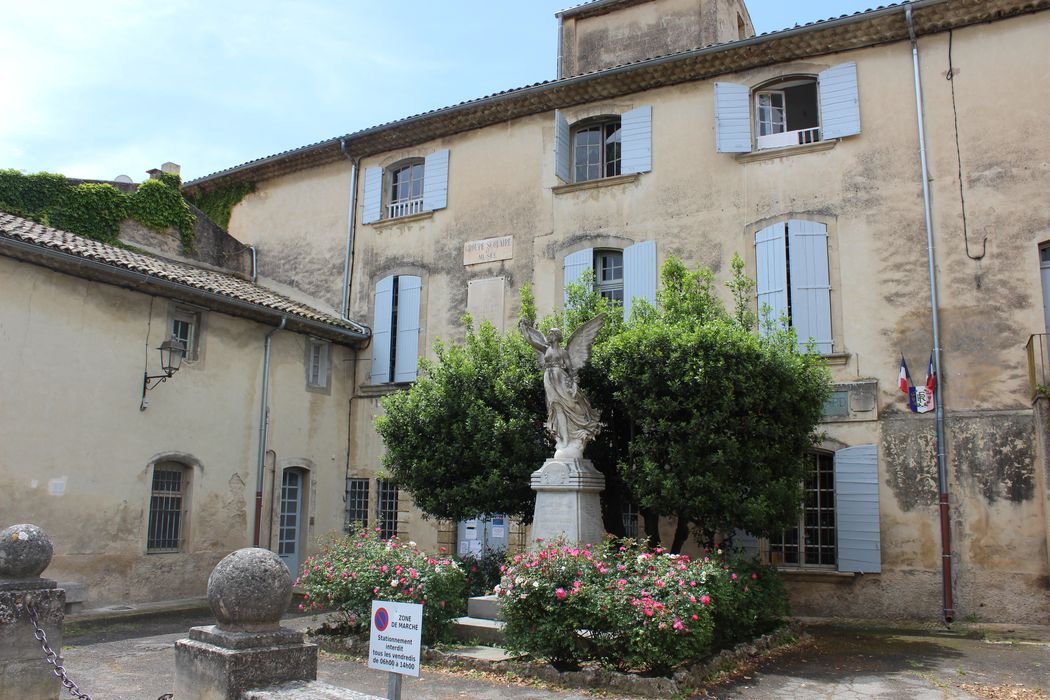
pixel 567 501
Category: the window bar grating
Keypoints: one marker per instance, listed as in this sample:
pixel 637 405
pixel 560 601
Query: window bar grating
pixel 165 511
pixel 386 509
pixel 356 504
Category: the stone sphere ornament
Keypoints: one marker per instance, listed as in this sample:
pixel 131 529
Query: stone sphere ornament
pixel 25 551
pixel 249 590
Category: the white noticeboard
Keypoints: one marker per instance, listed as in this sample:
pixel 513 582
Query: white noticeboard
pixel 397 630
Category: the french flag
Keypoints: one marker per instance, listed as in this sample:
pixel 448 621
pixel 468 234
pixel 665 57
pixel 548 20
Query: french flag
pixel 931 377
pixel 904 379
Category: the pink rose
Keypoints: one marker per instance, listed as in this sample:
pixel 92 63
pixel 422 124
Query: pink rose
pixel 560 594
pixel 705 599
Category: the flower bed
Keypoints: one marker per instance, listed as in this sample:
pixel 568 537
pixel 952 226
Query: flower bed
pixel 353 571
pixel 632 608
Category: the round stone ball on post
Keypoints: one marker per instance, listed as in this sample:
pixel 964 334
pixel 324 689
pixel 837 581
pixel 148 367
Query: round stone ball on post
pixel 25 551
pixel 249 590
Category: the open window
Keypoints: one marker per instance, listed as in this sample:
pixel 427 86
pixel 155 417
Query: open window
pixel 604 146
pixel 410 186
pixel 789 111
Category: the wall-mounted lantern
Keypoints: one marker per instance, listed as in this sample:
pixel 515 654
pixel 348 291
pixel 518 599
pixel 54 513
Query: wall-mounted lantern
pixel 171 354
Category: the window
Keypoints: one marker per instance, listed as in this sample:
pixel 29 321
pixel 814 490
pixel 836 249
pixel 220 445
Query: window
pixel 604 146
pixel 356 504
pixel 838 526
pixel 793 280
pixel 788 111
pixel 185 326
pixel 620 275
pixel 630 520
pixel 318 363
pixel 408 187
pixel 395 329
pixel 596 150
pixel 166 507
pixel 386 509
pixel 812 542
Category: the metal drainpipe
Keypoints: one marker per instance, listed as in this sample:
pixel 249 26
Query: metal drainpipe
pixel 348 261
pixel 263 417
pixel 255 264
pixel 942 472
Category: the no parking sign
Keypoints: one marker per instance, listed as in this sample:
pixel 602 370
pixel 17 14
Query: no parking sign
pixel 396 634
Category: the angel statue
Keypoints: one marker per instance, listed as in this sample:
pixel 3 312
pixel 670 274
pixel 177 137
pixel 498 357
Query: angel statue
pixel 570 418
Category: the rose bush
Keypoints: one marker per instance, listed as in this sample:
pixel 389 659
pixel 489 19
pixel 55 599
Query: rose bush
pixel 630 607
pixel 351 572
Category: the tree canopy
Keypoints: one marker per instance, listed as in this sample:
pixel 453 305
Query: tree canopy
pixel 705 419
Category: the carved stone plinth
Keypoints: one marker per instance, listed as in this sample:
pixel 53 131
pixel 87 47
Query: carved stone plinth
pixel 568 502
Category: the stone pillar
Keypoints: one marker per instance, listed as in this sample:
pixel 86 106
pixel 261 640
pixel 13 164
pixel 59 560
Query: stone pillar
pixel 248 591
pixel 25 551
pixel 1041 410
pixel 567 501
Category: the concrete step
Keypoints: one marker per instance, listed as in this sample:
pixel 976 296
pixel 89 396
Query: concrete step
pixel 484 607
pixel 478 631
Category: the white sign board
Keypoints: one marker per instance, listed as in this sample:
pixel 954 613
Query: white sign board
pixel 397 630
pixel 488 250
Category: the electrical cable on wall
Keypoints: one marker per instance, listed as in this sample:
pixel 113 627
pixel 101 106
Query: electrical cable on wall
pixel 950 77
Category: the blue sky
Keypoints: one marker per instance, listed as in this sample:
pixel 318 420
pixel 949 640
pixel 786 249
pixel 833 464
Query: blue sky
pixel 98 89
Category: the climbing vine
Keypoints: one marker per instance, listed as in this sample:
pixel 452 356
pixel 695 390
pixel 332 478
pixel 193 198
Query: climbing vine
pixel 95 210
pixel 218 203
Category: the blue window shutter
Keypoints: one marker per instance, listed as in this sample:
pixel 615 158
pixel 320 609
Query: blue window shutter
pixel 810 286
pixel 575 265
pixel 372 199
pixel 384 297
pixel 839 101
pixel 747 542
pixel 857 509
pixel 636 140
pixel 771 270
pixel 732 118
pixel 407 356
pixel 435 181
pixel 639 275
pixel 562 148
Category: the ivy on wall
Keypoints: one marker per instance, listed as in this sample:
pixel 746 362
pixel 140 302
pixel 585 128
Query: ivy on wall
pixel 95 210
pixel 218 203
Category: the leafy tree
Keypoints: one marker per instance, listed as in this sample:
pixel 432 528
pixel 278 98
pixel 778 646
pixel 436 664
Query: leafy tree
pixel 465 437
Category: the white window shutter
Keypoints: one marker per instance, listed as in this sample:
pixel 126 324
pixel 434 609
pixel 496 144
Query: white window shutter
pixel 839 101
pixel 562 148
pixel 810 285
pixel 636 140
pixel 372 198
pixel 639 275
pixel 771 269
pixel 732 118
pixel 384 298
pixel 435 181
pixel 857 509
pixel 406 357
pixel 575 265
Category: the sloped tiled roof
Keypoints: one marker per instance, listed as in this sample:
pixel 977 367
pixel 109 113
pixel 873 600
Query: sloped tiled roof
pixel 880 25
pixel 195 281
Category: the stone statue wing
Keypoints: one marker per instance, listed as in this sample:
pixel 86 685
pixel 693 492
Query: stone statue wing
pixel 534 337
pixel 579 345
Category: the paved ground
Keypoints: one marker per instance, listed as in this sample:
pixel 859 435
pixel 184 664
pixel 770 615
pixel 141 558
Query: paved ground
pixel 134 660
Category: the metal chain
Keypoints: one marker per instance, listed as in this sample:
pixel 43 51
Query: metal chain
pixel 51 656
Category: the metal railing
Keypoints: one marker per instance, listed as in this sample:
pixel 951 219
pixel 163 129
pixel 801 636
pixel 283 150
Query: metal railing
pixel 1038 364
pixel 404 208
pixel 790 138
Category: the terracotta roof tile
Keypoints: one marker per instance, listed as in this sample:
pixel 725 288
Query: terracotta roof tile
pixel 220 283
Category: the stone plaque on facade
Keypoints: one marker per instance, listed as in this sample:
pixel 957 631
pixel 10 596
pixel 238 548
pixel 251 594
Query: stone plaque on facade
pixel 852 401
pixel 837 404
pixel 485 301
pixel 488 250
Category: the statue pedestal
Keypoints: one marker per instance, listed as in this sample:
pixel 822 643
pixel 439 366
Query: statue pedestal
pixel 567 501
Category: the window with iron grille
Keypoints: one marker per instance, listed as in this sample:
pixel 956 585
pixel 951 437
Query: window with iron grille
pixel 630 520
pixel 166 508
pixel 356 504
pixel 596 150
pixel 386 509
pixel 812 542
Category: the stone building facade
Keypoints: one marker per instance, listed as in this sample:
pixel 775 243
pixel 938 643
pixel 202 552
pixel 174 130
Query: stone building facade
pixel 798 150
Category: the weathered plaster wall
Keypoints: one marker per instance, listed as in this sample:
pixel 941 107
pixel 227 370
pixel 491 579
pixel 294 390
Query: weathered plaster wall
pixel 704 207
pixel 76 449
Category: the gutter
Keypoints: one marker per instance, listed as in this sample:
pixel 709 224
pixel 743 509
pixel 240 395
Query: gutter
pixel 351 222
pixel 264 416
pixel 217 301
pixel 938 394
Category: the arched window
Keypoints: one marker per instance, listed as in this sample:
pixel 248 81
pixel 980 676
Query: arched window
pixel 597 149
pixel 404 190
pixel 786 113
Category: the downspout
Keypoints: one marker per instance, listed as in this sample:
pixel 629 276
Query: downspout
pixel 348 259
pixel 942 472
pixel 263 417
pixel 255 263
